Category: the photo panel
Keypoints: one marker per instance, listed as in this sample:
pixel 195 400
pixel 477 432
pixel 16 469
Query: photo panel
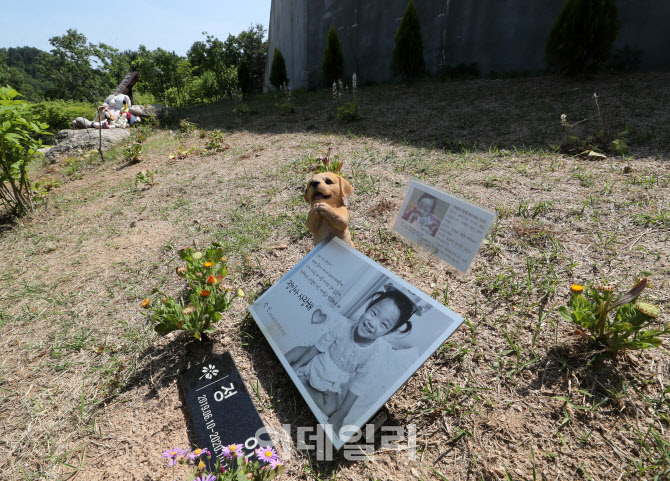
pixel 446 226
pixel 349 333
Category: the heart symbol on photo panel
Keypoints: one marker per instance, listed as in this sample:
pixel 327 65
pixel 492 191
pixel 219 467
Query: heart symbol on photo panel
pixel 318 317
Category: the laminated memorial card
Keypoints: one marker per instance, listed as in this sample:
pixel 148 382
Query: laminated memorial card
pixel 443 225
pixel 222 411
pixel 349 333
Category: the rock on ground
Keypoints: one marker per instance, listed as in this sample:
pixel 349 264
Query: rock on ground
pixel 85 139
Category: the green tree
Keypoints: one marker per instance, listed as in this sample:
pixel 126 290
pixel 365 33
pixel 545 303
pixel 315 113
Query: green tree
pixel 218 59
pixel 69 67
pixel 18 146
pixel 582 37
pixel 407 59
pixel 23 72
pixel 4 68
pixel 333 60
pixel 253 49
pixel 278 75
pixel 197 56
pixel 244 80
pixel 165 75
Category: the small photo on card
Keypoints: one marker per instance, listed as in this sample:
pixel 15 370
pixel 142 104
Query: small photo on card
pixel 443 225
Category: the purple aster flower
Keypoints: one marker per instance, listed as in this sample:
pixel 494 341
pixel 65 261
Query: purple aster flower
pixel 233 451
pixel 193 455
pixel 173 453
pixel 267 454
pixel 208 477
pixel 276 463
pixel 179 459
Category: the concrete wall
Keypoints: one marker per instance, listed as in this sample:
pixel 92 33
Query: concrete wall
pixel 497 35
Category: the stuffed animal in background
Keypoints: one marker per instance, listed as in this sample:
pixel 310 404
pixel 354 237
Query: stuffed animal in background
pixel 328 217
pixel 115 102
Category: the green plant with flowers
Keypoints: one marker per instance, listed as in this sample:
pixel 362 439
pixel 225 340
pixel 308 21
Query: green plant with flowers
pixel 347 103
pixel 615 321
pixel 233 465
pixel 324 163
pixel 208 296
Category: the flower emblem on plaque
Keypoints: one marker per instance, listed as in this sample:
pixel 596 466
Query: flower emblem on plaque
pixel 209 372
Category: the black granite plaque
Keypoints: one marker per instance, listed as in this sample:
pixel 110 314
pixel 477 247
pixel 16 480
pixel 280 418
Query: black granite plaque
pixel 221 408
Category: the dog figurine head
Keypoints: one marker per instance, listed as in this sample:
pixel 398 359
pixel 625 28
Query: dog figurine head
pixel 328 188
pixel 328 216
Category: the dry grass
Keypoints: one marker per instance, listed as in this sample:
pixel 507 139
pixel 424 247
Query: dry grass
pixel 88 391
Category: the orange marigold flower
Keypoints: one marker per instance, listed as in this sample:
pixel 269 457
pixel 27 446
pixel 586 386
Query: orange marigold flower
pixel 211 280
pixel 208 264
pixel 576 289
pixel 204 293
pixel 219 278
pixel 146 302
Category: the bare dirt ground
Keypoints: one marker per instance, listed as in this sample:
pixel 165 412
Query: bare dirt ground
pixel 89 391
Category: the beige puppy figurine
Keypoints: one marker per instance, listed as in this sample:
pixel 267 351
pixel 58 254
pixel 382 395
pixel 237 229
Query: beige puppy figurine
pixel 328 216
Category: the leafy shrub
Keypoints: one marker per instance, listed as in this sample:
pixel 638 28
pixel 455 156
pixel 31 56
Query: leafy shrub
pixel 407 59
pixel 208 296
pixel 333 60
pixel 186 127
pixel 41 188
pixel 18 146
pixel 215 141
pixel 204 88
pixel 146 178
pixel 348 112
pixel 582 37
pixel 612 321
pixel 133 148
pixel 278 75
pixel 133 152
pixel 241 109
pixel 59 114
pixel 181 153
pixel 244 80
